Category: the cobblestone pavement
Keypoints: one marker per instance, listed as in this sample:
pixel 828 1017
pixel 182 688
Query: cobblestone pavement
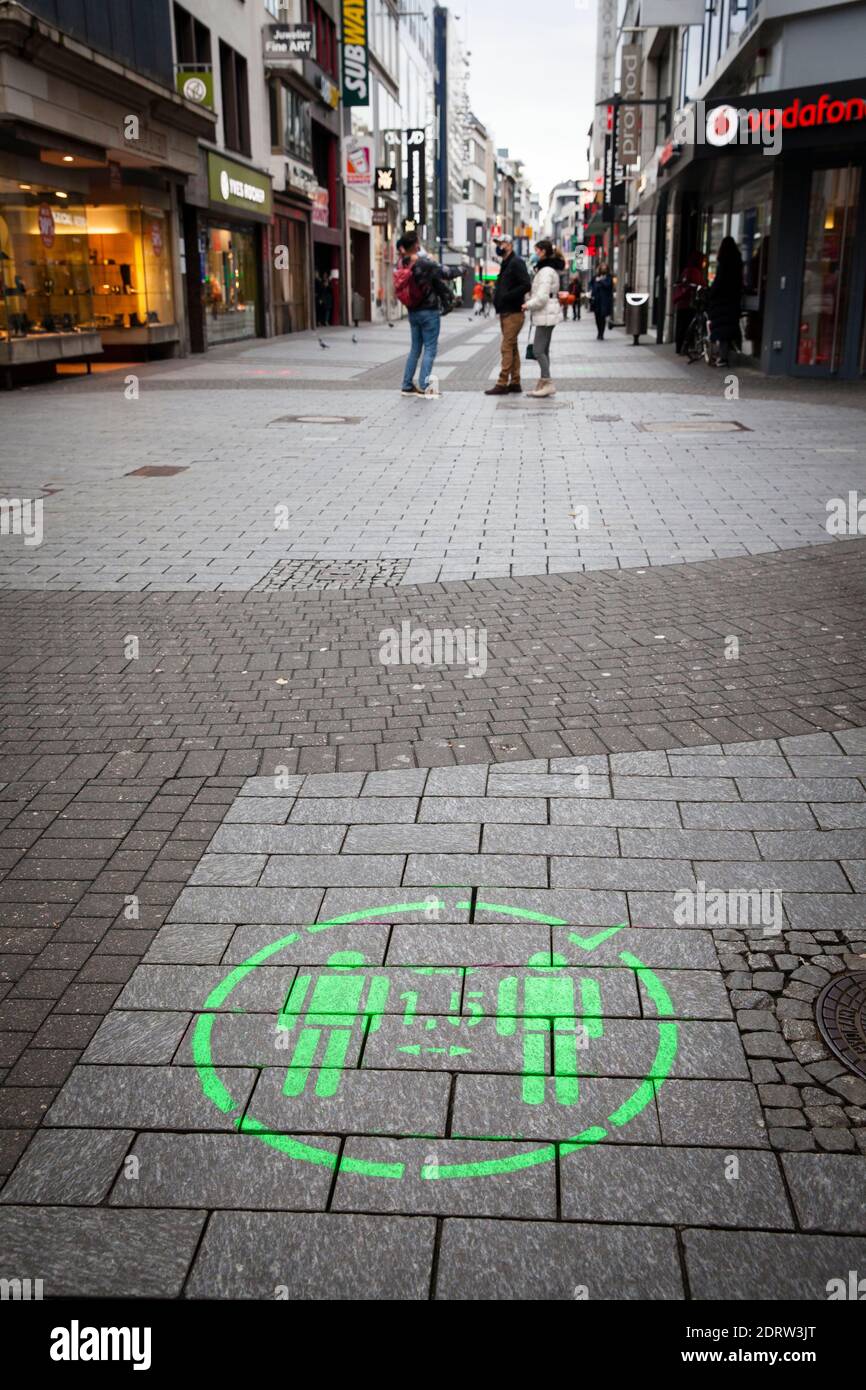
pixel 206 756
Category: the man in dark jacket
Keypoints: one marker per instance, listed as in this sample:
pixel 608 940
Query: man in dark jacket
pixel 425 315
pixel 512 287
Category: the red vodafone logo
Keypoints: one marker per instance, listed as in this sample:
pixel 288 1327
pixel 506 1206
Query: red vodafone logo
pixel 45 218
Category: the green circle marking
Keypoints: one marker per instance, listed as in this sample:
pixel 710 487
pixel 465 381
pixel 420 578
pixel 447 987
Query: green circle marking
pixel 215 1090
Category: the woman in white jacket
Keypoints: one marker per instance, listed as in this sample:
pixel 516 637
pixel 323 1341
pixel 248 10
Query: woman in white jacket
pixel 544 307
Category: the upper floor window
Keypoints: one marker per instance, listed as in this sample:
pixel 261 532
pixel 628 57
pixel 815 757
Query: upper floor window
pixel 290 122
pixel 325 31
pixel 192 39
pixel 235 100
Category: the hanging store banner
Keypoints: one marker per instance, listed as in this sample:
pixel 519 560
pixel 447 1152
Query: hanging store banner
pixel 355 59
pixel 628 123
pixel 416 176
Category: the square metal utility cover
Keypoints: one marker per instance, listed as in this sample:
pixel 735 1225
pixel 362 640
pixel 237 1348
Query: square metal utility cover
pixel 542 406
pixel 332 574
pixel 317 420
pixel 156 470
pixel 691 426
pixel 604 419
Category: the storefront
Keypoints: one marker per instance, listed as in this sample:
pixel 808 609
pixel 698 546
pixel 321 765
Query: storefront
pixel 792 194
pixel 231 242
pixel 292 250
pixel 88 205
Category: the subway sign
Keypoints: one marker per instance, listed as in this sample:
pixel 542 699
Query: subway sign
pixel 355 58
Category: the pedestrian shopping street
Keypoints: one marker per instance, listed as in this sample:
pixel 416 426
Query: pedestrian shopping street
pixel 428 825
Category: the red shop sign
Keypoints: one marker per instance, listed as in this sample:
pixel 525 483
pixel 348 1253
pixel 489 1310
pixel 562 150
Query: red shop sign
pixel 45 218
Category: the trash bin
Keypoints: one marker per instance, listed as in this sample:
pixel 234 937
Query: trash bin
pixel 636 319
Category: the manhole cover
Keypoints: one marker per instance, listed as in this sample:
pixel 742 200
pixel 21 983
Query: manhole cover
pixel 317 420
pixel 841 1015
pixel 332 574
pixel 691 426
pixel 155 470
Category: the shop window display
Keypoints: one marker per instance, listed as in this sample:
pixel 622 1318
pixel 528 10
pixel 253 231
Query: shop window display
pixel 43 262
pixel 130 265
pixel 229 283
pixel 827 267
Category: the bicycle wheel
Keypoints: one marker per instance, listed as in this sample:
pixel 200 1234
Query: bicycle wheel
pixel 694 343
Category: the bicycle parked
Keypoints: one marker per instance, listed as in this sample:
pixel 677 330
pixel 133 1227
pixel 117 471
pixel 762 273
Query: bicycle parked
pixel 698 342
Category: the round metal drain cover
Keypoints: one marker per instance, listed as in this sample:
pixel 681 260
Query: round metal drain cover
pixel 321 419
pixel 841 1016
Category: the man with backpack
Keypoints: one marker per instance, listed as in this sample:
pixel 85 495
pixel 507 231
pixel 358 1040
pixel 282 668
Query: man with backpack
pixel 422 285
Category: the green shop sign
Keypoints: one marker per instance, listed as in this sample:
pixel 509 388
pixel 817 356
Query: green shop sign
pixel 549 1017
pixel 237 186
pixel 196 85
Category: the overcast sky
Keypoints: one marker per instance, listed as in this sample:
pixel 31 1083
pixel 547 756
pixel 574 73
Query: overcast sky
pixel 532 80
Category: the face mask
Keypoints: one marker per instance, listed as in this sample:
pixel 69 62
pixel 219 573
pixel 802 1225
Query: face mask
pixel 500 250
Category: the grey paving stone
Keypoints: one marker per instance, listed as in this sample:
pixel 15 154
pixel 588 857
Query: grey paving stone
pixel 487 869
pixel 686 948
pixel 828 1191
pixel 308 948
pixel 232 870
pixel 809 743
pixel 540 784
pixel 336 784
pixel 712 1113
pixel 549 839
pixel 137 1037
pixel 68 1167
pixel 639 764
pixel 673 1186
pixel 416 904
pixel 812 877
pixel 759 1266
pixel 264 810
pixel 366 1102
pixel 218 1171
pixel 524 1192
pixel 92 1252
pixel 397 782
pixel 304 870
pixel 817 912
pixel 754 815
pixel 247 905
pixel 306 1257
pixel 143 1097
pixel 256 840
pixel 844 765
pixel 621 873
pixel 412 943
pixel 654 815
pixel 688 844
pixel 698 994
pixel 189 986
pixel 493 810
pixel 491 1106
pixel 346 810
pixel 704 1049
pixel 685 764
pixel 799 789
pixel 254 1040
pixel 529 1261
pixel 469 780
pixel 184 943
pixel 408 839
pixel 676 788
pixel 267 787
pixel 582 907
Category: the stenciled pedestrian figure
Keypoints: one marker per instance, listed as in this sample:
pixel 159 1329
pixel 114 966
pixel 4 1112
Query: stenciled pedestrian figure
pixel 691 280
pixel 601 298
pixel 341 998
pixel 544 310
pixel 725 301
pixel 422 285
pixel 512 285
pixel 546 1007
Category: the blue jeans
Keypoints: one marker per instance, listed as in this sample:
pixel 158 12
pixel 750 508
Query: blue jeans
pixel 424 324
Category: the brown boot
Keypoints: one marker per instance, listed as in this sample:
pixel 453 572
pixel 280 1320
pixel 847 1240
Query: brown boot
pixel 497 390
pixel 515 388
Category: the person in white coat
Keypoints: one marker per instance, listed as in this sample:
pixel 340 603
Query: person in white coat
pixel 545 310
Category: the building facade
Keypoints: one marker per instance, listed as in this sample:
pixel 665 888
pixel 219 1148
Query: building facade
pixel 754 126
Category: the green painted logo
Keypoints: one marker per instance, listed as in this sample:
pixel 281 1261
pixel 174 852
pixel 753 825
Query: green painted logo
pixel 540 1004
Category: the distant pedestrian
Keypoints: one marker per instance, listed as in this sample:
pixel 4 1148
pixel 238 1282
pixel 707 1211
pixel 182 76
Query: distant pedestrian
pixel 543 308
pixel 724 301
pixel 512 285
pixel 691 280
pixel 575 288
pixel 488 298
pixel 422 285
pixel 601 298
pixel 478 297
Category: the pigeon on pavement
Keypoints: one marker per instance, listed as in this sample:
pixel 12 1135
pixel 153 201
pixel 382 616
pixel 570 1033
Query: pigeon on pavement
pixel 323 345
